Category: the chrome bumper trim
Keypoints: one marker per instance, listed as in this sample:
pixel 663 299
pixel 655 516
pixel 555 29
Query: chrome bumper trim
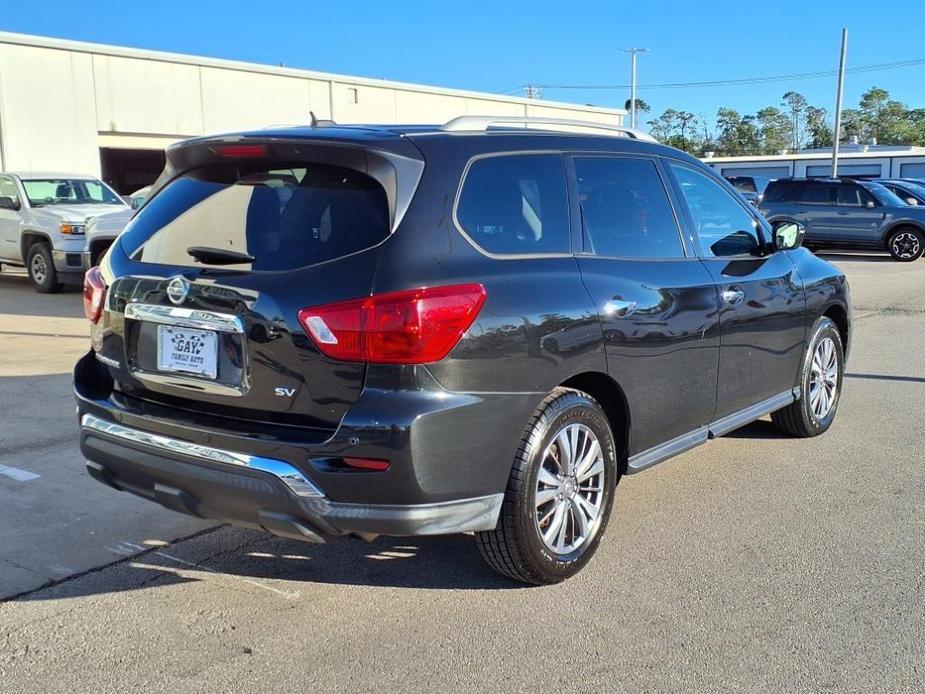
pixel 185 317
pixel 297 483
pixel 197 384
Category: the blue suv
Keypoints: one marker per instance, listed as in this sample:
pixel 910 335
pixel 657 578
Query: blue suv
pixel 847 213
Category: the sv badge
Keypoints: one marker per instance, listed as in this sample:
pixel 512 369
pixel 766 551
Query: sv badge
pixel 285 392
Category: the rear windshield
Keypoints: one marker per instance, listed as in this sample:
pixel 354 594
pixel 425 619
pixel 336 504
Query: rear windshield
pixel 285 216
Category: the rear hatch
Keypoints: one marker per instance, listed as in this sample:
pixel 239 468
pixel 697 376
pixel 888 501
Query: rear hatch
pixel 206 282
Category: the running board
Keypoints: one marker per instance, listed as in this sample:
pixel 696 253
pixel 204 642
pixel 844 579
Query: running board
pixel 700 435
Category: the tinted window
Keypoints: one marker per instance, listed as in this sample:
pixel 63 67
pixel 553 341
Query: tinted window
pixel 725 228
pixel 284 216
pixel 817 193
pixel 516 204
pixel 743 183
pixel 625 209
pixel 853 196
pixel 783 191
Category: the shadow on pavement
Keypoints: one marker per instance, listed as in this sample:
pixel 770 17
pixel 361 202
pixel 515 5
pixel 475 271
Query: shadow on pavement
pixel 887 377
pixel 449 562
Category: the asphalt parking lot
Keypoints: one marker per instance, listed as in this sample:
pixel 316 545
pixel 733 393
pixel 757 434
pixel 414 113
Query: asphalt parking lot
pixel 755 563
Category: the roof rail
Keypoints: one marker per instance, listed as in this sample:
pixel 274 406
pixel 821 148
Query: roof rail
pixel 482 123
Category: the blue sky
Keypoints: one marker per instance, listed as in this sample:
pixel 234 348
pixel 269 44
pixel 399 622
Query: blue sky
pixel 497 46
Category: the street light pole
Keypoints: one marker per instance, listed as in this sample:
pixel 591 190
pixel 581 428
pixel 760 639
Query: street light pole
pixel 836 136
pixel 633 52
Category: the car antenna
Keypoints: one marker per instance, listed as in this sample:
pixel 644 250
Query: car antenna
pixel 322 123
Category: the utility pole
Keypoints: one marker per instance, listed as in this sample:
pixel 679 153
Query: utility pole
pixel 633 52
pixel 836 136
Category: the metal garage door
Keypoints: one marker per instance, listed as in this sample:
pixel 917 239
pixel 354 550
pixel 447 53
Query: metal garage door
pixel 871 170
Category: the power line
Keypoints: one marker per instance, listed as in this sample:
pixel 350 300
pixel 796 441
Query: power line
pixel 745 80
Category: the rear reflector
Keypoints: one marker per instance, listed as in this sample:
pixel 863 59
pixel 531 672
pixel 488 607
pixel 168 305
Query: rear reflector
pixel 415 326
pixel 240 151
pixel 94 294
pixel 371 464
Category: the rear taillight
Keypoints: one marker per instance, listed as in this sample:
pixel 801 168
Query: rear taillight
pixel 416 326
pixel 94 294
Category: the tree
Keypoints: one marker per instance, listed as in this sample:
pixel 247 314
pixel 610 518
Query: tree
pixel 818 132
pixel 776 130
pixel 641 105
pixel 737 134
pixel 797 106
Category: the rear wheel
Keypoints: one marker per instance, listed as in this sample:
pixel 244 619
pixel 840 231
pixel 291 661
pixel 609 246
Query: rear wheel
pixel 820 384
pixel 906 244
pixel 41 269
pixel 559 495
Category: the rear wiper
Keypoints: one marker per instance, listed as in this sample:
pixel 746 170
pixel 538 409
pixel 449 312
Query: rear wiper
pixel 219 256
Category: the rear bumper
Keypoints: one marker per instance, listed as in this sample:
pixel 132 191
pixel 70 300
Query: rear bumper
pixel 449 464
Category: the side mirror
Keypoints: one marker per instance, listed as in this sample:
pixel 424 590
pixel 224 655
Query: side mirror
pixel 870 204
pixel 912 201
pixel 127 199
pixel 788 235
pixel 8 203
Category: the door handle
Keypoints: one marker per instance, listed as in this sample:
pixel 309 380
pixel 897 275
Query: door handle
pixel 733 296
pixel 844 214
pixel 617 308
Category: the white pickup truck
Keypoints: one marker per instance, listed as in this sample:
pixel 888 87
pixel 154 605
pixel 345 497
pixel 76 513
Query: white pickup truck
pixel 43 220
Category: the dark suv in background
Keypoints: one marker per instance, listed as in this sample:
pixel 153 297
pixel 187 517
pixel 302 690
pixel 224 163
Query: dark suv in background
pixel 475 327
pixel 848 213
pixel 750 187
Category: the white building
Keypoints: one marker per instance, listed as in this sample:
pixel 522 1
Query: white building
pixel 867 161
pixel 110 111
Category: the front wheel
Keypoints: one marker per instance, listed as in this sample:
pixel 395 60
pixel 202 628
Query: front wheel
pixel 41 269
pixel 559 494
pixel 906 245
pixel 820 384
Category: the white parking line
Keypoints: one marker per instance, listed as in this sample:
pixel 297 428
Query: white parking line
pixel 14 473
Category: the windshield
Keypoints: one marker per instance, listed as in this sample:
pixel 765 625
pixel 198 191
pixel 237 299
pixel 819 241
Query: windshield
pixel 69 191
pixel 884 195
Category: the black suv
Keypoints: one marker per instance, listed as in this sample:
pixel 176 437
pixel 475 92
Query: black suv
pixel 476 327
pixel 848 213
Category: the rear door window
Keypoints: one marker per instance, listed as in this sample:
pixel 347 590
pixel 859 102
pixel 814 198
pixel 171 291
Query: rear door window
pixel 853 196
pixel 516 204
pixel 817 194
pixel 625 210
pixel 284 216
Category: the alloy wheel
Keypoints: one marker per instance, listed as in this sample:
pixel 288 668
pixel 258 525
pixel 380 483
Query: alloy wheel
pixel 569 494
pixel 905 245
pixel 823 381
pixel 38 268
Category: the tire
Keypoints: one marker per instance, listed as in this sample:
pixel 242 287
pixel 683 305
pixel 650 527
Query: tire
pixel 41 269
pixel 516 548
pixel 906 244
pixel 810 416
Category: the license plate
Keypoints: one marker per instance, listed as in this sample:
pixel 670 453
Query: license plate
pixel 182 350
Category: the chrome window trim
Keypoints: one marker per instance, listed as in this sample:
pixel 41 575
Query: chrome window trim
pixel 185 317
pixel 294 480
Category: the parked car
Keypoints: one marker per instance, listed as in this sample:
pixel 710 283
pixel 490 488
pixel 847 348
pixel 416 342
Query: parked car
pixel 43 218
pixel 910 192
pixel 103 230
pixel 750 187
pixel 421 330
pixel 848 213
